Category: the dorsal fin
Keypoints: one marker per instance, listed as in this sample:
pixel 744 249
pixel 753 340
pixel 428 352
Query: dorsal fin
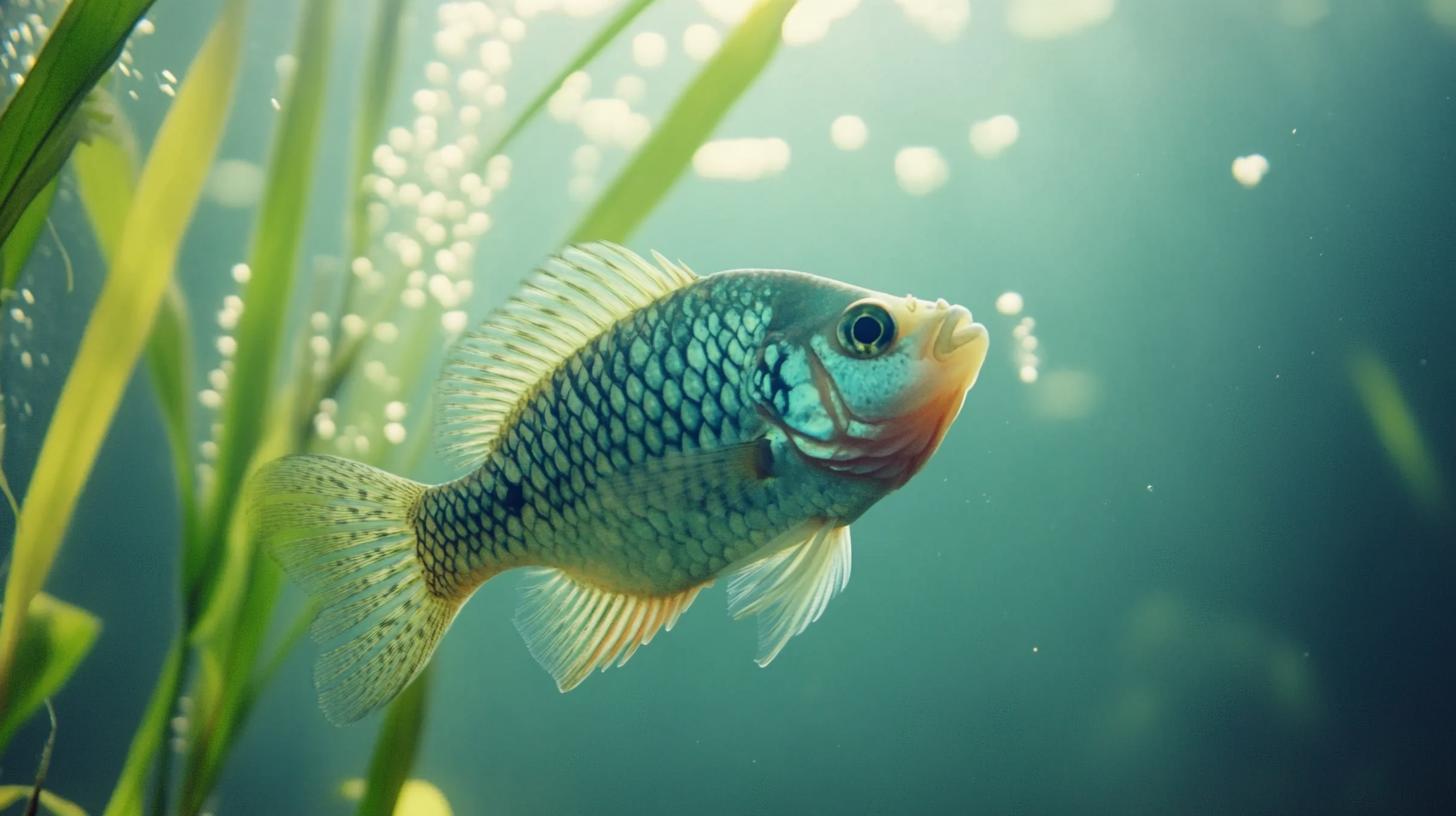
pixel 574 297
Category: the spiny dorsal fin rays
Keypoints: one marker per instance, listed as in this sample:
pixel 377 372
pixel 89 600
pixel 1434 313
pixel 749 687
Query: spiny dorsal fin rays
pixel 572 299
pixel 573 628
pixel 790 588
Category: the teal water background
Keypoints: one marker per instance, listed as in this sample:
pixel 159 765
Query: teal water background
pixel 1209 591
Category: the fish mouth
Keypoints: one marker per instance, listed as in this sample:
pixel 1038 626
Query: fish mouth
pixel 957 331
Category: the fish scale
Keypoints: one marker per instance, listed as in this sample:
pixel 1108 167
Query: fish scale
pixel 668 380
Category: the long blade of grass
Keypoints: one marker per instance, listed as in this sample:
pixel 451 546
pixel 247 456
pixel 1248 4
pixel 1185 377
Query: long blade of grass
pixel 35 131
pixel 279 230
pixel 105 165
pixel 17 247
pixel 56 638
pixel 119 326
pixel 394 750
pixel 659 162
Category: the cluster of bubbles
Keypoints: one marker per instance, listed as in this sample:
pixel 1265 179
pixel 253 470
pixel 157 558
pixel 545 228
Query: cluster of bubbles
pixel 1028 363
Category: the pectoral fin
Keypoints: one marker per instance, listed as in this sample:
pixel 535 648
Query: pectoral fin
pixel 790 588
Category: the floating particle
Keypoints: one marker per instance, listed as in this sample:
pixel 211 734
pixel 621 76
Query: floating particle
pixel 809 20
pixel 395 411
pixel 319 345
pixel 394 433
pixel 209 398
pixel 146 27
pixel 728 12
pixel 352 324
pixel 25 359
pixel 437 73
pixel 1050 19
pixel 1149 488
pixel 649 49
pixel 168 90
pixel 741 159
pixel 630 88
pixel 611 122
pixel 169 77
pixel 28 296
pixel 991 137
pixel 242 273
pixel 1028 374
pixel 1010 303
pixel 848 132
pixel 1249 170
pixel 217 378
pixel 495 57
pixel 278 106
pixel 942 19
pixel 323 425
pixel 227 345
pixel 454 322
pixel 701 41
pixel 586 159
pixel 920 170
pixel 413 298
pixel 319 321
pixel 512 29
pixel 208 449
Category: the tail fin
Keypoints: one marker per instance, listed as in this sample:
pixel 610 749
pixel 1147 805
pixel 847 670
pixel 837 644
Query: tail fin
pixel 345 531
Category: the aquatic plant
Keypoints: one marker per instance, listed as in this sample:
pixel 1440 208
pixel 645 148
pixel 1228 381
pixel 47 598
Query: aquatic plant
pixel 337 392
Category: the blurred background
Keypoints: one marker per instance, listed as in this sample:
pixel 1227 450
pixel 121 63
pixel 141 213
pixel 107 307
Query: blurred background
pixel 1188 548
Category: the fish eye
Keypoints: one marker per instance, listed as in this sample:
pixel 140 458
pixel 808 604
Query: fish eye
pixel 866 329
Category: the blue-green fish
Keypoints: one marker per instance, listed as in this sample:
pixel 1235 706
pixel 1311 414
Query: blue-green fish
pixel 635 431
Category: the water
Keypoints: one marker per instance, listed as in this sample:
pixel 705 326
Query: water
pixel 1179 572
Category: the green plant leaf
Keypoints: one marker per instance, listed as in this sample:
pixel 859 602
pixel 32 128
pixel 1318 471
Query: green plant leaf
pixel 17 248
pixel 119 326
pixel 105 165
pixel 277 234
pixel 51 803
pixel 395 747
pixel 659 162
pixel 55 638
pixel 36 133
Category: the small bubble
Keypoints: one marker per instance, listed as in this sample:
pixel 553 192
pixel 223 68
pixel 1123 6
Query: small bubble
pixel 352 324
pixel 395 411
pixel 649 49
pixel 242 273
pixel 25 361
pixel 227 345
pixel 700 41
pixel 1028 374
pixel 386 332
pixel 454 322
pixel 1010 303
pixel 394 433
pixel 848 132
pixel 209 398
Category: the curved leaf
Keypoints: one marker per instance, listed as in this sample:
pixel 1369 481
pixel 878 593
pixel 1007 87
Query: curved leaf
pixel 121 321
pixel 55 638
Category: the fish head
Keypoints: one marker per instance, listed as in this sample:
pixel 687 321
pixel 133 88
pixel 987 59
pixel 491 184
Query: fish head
pixel 866 384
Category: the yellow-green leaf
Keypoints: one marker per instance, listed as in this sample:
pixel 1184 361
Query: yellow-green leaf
pixel 1396 427
pixel 166 195
pixel 394 748
pixel 49 802
pixel 17 248
pixel 36 132
pixel 658 163
pixel 55 638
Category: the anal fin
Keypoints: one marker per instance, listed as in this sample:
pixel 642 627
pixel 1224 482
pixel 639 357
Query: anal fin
pixel 573 627
pixel 790 588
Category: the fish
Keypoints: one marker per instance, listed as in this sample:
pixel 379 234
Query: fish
pixel 632 432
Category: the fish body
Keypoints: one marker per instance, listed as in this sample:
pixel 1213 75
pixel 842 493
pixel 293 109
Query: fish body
pixel 636 431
